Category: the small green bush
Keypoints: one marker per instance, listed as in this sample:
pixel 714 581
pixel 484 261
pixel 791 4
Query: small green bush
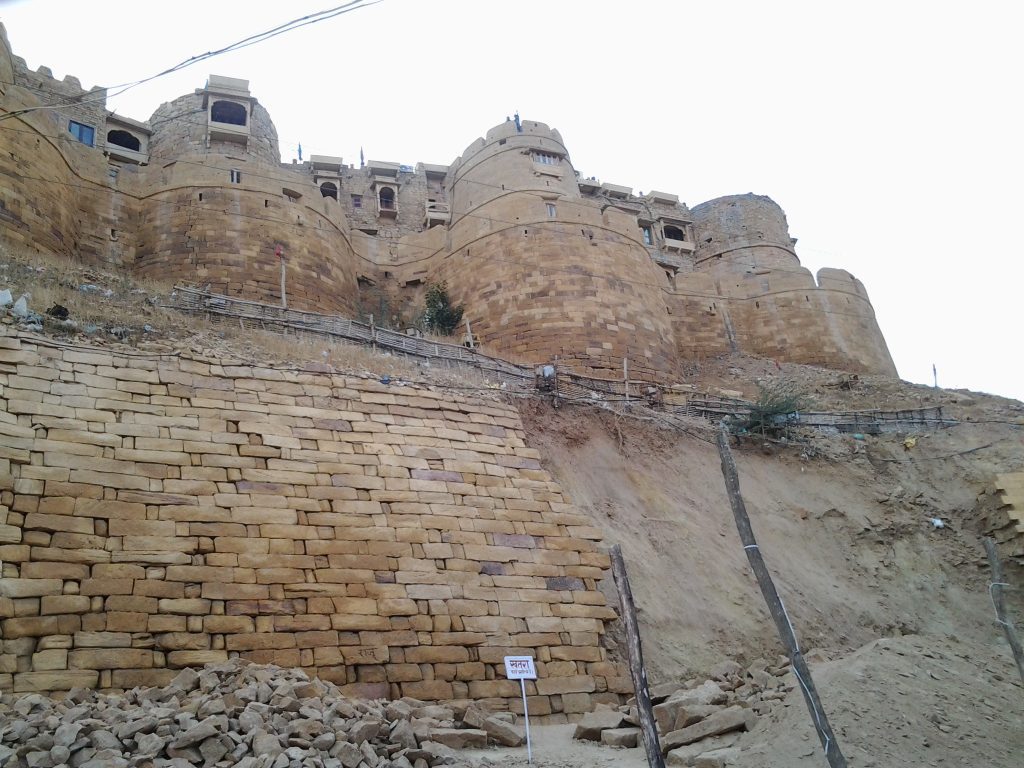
pixel 441 316
pixel 776 403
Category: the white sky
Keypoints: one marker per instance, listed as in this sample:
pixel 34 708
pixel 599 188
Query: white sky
pixel 890 132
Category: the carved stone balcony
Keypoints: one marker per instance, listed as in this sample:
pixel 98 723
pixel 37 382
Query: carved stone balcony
pixel 436 213
pixel 679 246
pixel 666 259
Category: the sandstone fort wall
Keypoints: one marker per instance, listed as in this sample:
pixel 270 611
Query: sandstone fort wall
pixel 549 263
pixel 159 512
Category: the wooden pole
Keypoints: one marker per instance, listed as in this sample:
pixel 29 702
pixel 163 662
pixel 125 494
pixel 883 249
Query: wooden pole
pixel 775 607
pixel 648 727
pixel 999 603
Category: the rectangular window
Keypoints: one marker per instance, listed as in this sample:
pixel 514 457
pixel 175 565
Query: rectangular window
pixel 357 201
pixel 83 133
pixel 646 231
pixel 551 211
pixel 545 159
pixel 236 176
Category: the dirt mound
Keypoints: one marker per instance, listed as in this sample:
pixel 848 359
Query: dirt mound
pixel 849 538
pixel 903 701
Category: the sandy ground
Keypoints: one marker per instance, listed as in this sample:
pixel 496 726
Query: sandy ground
pixel 913 701
pixel 920 674
pixel 553 747
pixel 910 701
pixel 847 535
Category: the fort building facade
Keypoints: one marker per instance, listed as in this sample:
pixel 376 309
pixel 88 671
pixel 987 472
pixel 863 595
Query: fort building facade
pixel 549 263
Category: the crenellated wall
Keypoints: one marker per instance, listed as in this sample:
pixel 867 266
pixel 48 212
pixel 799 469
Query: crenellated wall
pixel 159 512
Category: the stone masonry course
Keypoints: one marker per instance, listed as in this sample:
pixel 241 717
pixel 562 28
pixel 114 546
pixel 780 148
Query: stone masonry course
pixel 159 512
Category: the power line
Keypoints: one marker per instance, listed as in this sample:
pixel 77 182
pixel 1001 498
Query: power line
pixel 313 18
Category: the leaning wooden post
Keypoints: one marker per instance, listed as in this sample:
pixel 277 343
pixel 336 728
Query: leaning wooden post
pixel 648 728
pixel 995 590
pixel 775 607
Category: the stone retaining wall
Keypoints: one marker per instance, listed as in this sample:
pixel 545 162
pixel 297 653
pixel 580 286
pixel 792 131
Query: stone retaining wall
pixel 161 512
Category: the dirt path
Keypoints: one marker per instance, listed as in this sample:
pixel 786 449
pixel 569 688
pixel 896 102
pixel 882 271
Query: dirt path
pixel 553 747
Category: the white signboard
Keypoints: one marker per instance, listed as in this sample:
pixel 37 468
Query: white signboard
pixel 520 668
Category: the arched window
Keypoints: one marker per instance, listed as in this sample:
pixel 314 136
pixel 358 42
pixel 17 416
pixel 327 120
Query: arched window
pixel 387 199
pixel 329 189
pixel 123 139
pixel 674 233
pixel 228 112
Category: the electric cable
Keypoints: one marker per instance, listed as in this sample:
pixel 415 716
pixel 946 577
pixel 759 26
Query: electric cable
pixel 260 37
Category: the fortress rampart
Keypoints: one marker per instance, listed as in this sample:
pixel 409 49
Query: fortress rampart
pixel 158 512
pixel 548 262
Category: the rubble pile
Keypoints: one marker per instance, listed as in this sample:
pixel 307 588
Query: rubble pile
pixel 698 724
pixel 239 714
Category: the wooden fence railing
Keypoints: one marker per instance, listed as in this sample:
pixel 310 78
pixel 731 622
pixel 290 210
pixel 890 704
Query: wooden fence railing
pixel 571 385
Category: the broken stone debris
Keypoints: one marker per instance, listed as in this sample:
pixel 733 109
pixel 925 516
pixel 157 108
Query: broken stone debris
pixel 698 724
pixel 238 714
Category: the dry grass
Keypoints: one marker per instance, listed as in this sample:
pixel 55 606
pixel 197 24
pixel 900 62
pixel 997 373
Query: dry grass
pixel 128 304
pixel 296 348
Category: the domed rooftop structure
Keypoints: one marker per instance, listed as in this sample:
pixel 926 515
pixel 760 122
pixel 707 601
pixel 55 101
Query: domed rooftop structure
pixel 222 117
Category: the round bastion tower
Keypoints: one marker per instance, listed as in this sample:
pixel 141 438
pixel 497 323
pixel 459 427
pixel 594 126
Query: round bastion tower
pixel 773 306
pixel 224 205
pixel 745 230
pixel 543 272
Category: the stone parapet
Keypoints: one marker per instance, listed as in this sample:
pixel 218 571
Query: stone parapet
pixel 162 512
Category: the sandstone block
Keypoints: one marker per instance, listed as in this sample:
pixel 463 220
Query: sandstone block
pixel 723 721
pixel 620 737
pixel 589 728
pixel 15 588
pixel 431 690
pixel 397 607
pixel 55 658
pixel 179 659
pixel 38 626
pixel 228 624
pixel 56 604
pixel 459 738
pixel 573 684
pixel 686 755
pixel 116 658
pixel 61 680
pixel 689 714
pixel 185 606
pixel 102 640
